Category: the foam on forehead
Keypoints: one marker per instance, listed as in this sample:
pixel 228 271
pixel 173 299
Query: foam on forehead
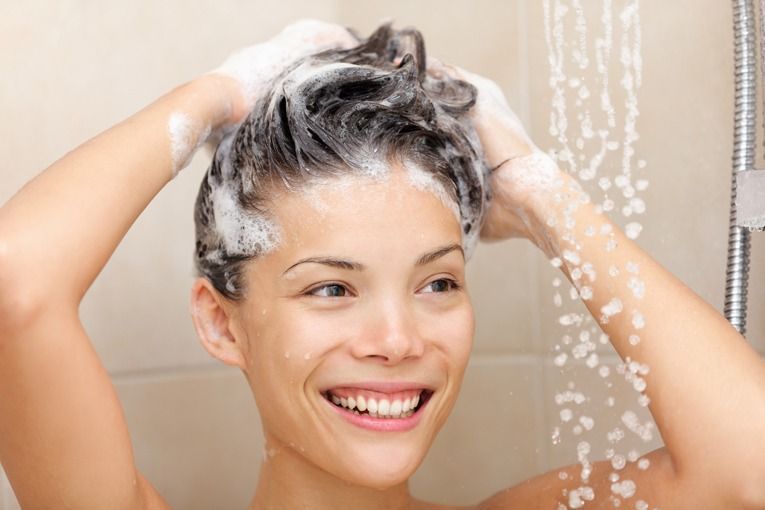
pixel 414 176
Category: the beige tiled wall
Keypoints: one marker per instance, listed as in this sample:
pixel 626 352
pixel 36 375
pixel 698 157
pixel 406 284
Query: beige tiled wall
pixel 72 69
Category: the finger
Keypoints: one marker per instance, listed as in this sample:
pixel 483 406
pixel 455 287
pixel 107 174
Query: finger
pixel 439 69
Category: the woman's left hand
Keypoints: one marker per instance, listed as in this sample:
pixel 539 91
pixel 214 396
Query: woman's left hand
pixel 524 179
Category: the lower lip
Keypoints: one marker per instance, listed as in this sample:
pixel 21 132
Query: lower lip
pixel 365 421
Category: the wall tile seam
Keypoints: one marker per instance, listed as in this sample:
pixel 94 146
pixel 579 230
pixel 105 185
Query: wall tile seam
pixel 547 360
pixel 161 374
pixel 516 350
pixel 477 359
pixel 505 359
pixel 603 359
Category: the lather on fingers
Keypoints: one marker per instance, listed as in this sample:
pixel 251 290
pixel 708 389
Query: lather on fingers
pixel 253 67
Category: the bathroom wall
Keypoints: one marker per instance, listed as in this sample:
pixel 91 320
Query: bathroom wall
pixel 71 69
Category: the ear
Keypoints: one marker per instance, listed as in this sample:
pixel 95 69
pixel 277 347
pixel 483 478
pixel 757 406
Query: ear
pixel 212 320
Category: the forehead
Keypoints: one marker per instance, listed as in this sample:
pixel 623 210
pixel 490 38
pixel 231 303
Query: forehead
pixel 359 214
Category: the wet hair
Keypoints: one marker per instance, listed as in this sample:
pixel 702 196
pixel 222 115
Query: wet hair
pixel 339 112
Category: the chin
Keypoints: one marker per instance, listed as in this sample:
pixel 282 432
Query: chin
pixel 380 479
pixel 384 467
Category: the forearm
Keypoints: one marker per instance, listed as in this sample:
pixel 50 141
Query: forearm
pixel 60 229
pixel 706 385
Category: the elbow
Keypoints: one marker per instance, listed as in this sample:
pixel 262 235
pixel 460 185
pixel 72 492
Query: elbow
pixel 19 305
pixel 753 491
pixel 752 496
pixel 751 487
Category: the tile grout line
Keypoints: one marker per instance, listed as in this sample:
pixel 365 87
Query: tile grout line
pixel 161 373
pixel 499 358
pixel 484 358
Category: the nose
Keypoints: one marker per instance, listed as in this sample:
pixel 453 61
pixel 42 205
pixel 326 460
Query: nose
pixel 391 336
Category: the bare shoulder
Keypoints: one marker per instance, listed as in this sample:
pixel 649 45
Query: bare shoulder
pixel 657 486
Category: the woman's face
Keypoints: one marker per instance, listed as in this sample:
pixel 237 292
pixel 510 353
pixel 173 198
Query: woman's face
pixel 364 303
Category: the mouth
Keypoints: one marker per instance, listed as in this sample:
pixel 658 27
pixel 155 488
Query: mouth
pixel 380 406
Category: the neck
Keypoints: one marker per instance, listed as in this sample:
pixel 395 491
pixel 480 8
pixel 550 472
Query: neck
pixel 289 481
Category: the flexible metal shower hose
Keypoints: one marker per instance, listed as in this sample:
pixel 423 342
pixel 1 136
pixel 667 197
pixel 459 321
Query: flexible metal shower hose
pixel 737 271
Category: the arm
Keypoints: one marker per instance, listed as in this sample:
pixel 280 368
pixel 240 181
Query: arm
pixel 706 385
pixel 63 437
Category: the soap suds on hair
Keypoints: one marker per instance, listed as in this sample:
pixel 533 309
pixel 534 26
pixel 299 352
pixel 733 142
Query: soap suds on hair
pixel 242 233
pixel 340 112
pixel 426 181
pixel 255 66
pixel 186 136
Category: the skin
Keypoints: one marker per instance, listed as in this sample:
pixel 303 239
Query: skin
pixel 391 319
pixel 63 438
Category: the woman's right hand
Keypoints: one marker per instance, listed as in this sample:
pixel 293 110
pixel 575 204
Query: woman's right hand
pixel 249 70
pixel 222 98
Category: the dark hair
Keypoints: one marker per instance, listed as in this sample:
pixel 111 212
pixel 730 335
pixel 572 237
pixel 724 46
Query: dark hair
pixel 330 114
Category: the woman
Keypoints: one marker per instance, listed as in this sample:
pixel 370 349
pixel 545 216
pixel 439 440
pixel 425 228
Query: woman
pixel 335 281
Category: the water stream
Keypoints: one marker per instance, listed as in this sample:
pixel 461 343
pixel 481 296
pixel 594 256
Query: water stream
pixel 594 51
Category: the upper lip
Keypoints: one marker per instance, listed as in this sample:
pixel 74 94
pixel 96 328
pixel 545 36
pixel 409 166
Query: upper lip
pixel 381 386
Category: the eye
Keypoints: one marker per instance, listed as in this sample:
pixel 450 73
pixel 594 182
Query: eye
pixel 441 285
pixel 331 290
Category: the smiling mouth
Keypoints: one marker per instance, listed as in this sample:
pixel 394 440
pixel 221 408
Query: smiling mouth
pixel 394 406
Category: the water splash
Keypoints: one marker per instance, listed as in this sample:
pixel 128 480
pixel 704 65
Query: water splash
pixel 595 63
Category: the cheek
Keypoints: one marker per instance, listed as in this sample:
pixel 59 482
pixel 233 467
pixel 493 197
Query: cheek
pixel 282 357
pixel 454 332
pixel 289 335
pixel 466 334
pixel 285 351
pixel 305 336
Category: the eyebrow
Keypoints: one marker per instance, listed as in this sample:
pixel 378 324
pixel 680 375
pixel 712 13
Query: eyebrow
pixel 340 263
pixel 438 253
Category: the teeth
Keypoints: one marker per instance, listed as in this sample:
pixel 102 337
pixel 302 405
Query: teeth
pixel 383 408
